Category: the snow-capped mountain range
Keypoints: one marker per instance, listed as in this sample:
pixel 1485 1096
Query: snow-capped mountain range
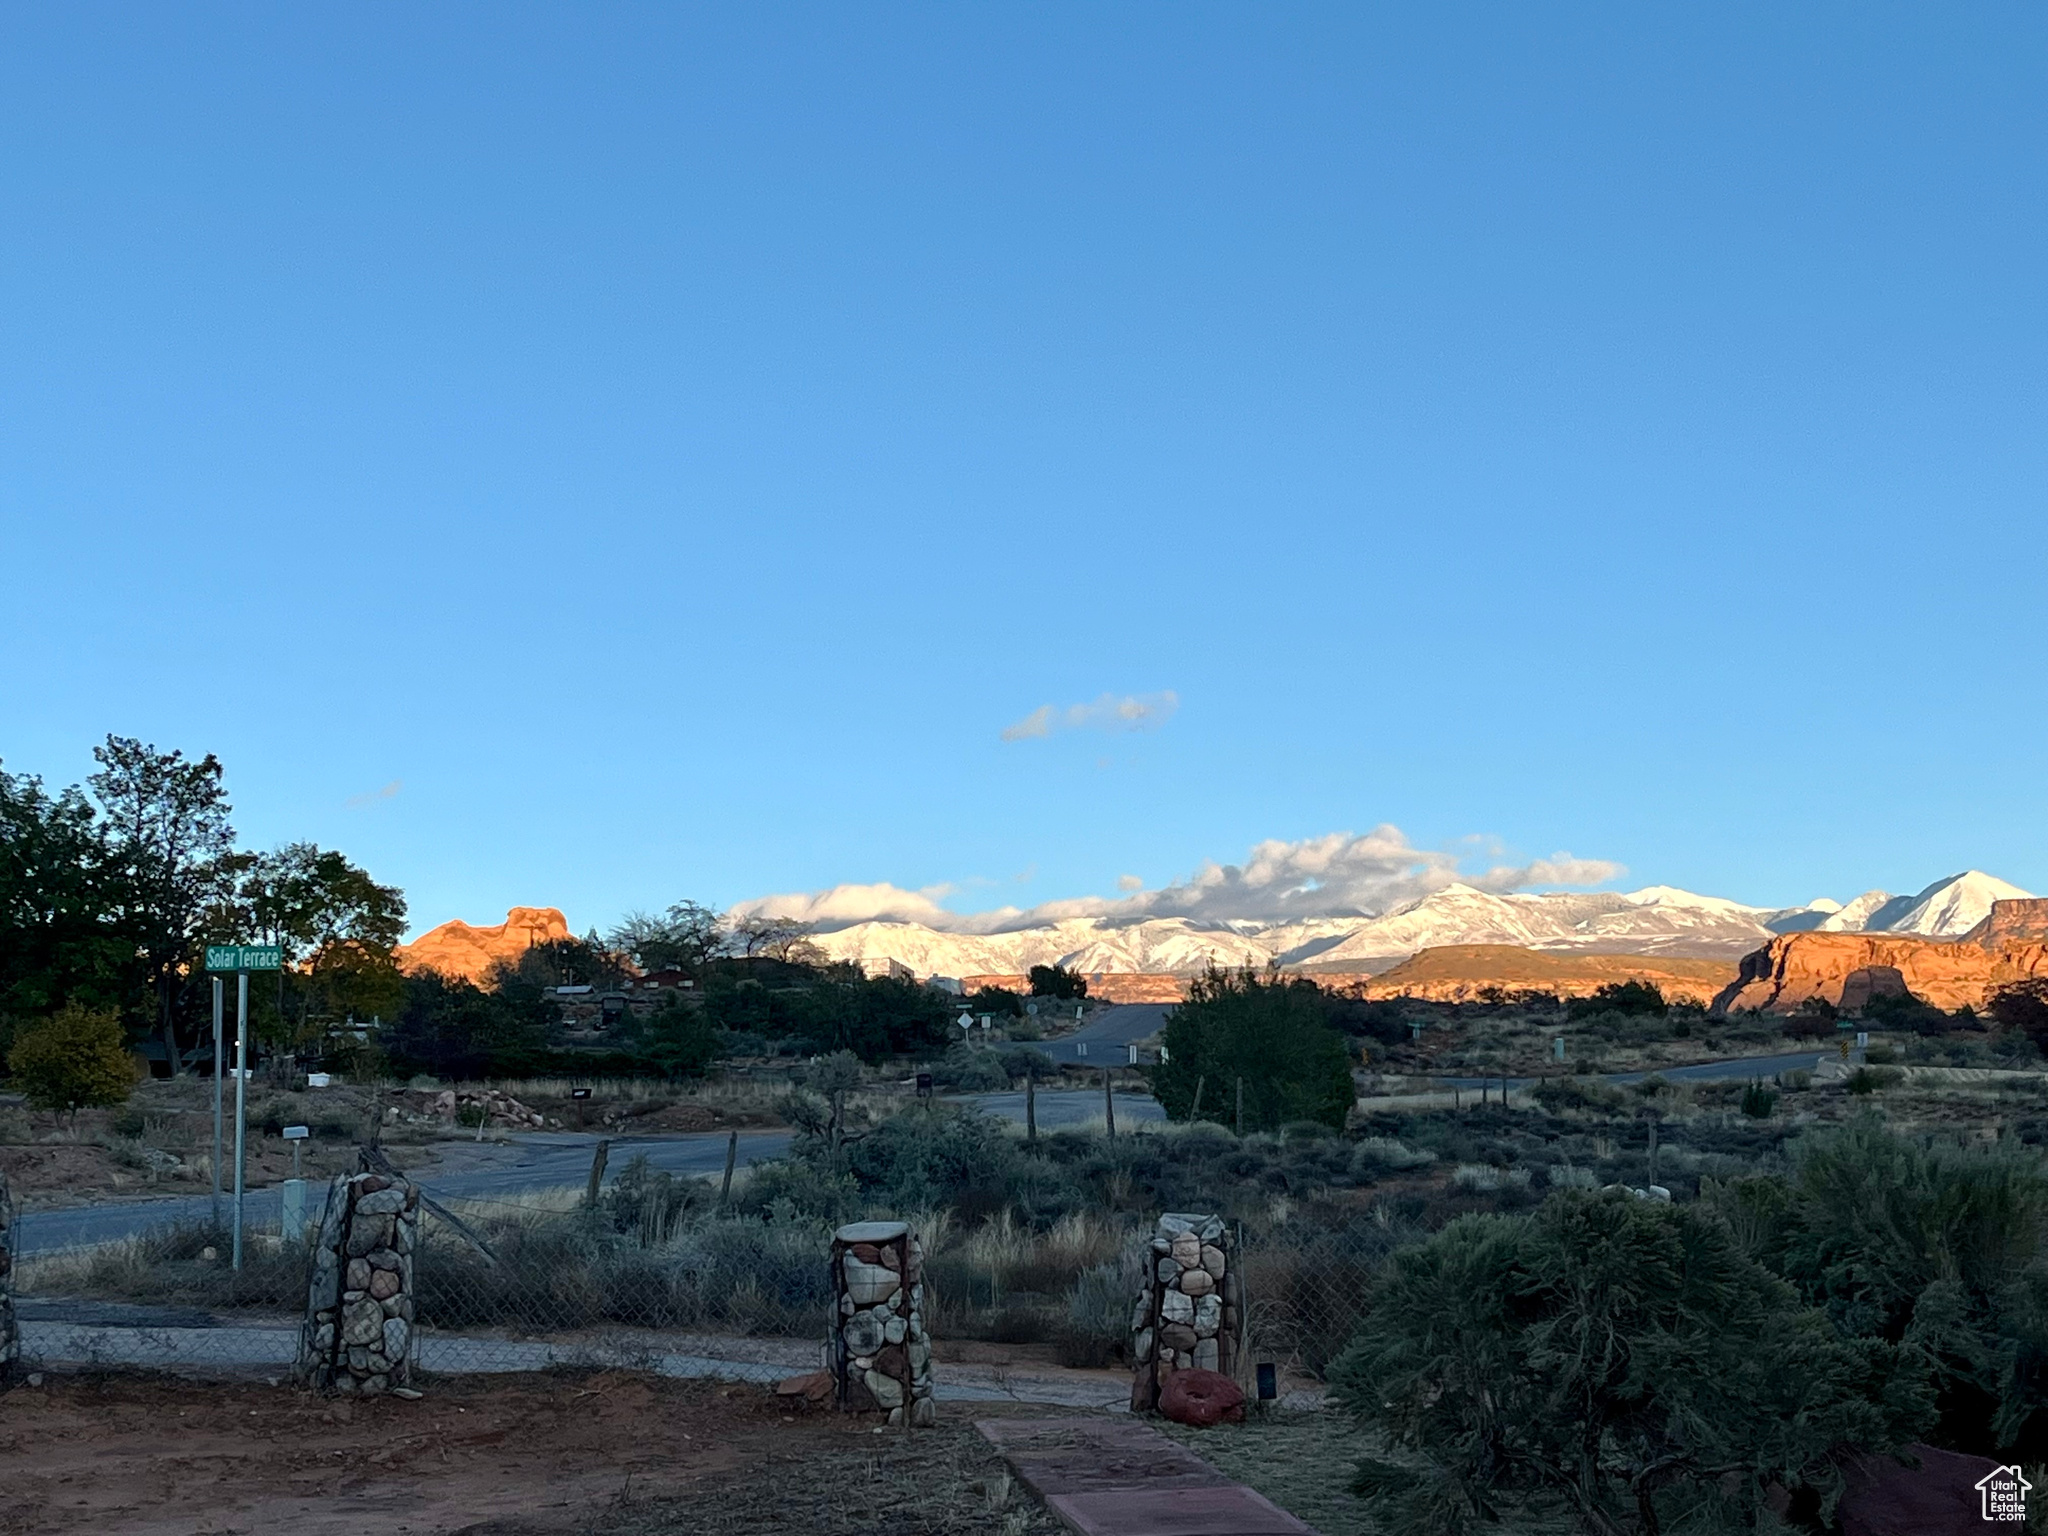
pixel 1658 919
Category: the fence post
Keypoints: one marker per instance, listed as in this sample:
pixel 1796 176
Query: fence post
pixel 732 1153
pixel 597 1161
pixel 1195 1112
pixel 1108 1104
pixel 1240 1108
pixel 10 1332
pixel 1031 1106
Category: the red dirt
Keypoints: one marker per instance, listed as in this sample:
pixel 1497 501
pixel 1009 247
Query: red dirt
pixel 531 1455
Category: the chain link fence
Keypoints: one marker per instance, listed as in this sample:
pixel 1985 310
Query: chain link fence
pixel 649 1277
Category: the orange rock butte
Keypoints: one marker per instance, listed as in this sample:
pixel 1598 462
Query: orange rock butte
pixel 2009 945
pixel 457 949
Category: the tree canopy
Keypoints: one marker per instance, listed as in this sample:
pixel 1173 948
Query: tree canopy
pixel 1271 1031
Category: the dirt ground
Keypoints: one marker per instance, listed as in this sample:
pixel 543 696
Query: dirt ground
pixel 553 1455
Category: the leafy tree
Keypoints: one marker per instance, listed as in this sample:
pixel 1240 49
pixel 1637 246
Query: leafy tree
pixel 338 929
pixel 684 938
pixel 875 1017
pixel 1619 1362
pixel 1000 1002
pixel 453 1028
pixel 166 822
pixel 776 938
pixel 59 936
pixel 1057 981
pixel 1273 1032
pixel 2022 1009
pixel 678 1039
pixel 72 1060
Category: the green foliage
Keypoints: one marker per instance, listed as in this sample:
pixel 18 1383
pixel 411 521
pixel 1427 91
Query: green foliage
pixel 677 1039
pixel 453 1029
pixel 1759 1102
pixel 1619 1362
pixel 1635 999
pixel 1057 981
pixel 1272 1032
pixel 999 1001
pixel 2022 1009
pixel 72 1060
pixel 1941 1246
pixel 58 937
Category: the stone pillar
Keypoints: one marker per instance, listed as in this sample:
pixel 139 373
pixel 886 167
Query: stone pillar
pixel 10 1333
pixel 881 1354
pixel 357 1335
pixel 1187 1314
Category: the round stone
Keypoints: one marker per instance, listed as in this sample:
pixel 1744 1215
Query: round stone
pixel 1197 1282
pixel 865 1333
pixel 1187 1250
pixel 1212 1259
pixel 888 1390
pixel 895 1330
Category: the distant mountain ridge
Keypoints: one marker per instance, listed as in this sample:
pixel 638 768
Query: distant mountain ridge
pixel 1657 920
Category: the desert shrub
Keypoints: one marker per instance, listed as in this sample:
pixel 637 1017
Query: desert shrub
pixel 1759 1102
pixel 936 1156
pixel 1936 1245
pixel 1608 1359
pixel 72 1060
pixel 1384 1154
pixel 793 1187
pixel 1026 1061
pixel 971 1069
pixel 1559 1094
pixel 1099 1313
pixel 1866 1080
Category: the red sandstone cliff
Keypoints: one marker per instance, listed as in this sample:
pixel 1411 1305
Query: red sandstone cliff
pixel 457 949
pixel 2010 945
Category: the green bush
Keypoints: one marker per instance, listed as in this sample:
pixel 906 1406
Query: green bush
pixel 73 1060
pixel 1271 1034
pixel 1613 1360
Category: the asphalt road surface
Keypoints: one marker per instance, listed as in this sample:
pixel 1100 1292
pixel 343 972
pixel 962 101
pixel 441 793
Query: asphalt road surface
pixel 1106 1040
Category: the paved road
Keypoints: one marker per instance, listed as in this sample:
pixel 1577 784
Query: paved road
pixel 1741 1068
pixel 1105 1041
pixel 1061 1111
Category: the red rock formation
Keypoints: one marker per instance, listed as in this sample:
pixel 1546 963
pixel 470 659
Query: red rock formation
pixel 2008 946
pixel 457 949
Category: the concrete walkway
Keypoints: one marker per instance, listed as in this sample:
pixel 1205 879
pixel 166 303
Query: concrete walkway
pixel 193 1343
pixel 1120 1477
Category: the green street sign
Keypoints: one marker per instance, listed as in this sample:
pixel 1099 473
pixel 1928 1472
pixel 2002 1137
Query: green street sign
pixel 244 957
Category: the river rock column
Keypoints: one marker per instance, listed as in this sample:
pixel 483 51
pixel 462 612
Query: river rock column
pixel 10 1332
pixel 1186 1315
pixel 881 1354
pixel 357 1337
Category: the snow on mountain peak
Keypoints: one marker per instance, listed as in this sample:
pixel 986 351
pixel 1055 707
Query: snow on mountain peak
pixel 1955 905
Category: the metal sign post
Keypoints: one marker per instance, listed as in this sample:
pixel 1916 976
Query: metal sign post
pixel 241 959
pixel 217 1076
pixel 241 1101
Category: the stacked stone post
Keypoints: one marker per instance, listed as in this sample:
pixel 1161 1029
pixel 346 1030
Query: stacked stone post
pixel 10 1332
pixel 1188 1315
pixel 357 1337
pixel 881 1354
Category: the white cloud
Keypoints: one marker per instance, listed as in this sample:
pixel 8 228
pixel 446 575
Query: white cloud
pixel 371 797
pixel 1337 874
pixel 1111 712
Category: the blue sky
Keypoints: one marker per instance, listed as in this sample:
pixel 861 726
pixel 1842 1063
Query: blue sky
pixel 673 446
